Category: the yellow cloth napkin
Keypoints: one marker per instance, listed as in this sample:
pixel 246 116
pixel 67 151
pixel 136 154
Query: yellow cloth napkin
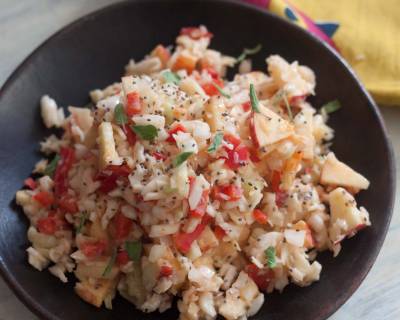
pixel 368 37
pixel 366 33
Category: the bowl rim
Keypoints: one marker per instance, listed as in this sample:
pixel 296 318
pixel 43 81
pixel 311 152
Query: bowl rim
pixel 36 308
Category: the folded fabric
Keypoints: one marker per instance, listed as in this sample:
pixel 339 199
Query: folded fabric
pixel 365 32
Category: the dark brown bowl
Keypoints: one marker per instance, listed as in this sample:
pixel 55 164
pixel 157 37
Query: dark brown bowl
pixel 92 51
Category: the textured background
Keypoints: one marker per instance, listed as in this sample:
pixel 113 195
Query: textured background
pixel 24 24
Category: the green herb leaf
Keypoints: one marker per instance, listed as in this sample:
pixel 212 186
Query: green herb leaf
pixel 217 141
pixel 120 115
pixel 331 106
pixel 181 158
pixel 254 99
pixel 220 90
pixel 288 107
pixel 134 250
pixel 82 221
pixel 246 52
pixel 271 258
pixel 147 132
pixel 52 166
pixel 170 76
pixel 110 264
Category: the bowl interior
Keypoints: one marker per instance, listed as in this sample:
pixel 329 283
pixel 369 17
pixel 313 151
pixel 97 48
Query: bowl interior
pixel 91 54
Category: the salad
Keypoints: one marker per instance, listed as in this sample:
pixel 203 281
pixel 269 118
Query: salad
pixel 177 182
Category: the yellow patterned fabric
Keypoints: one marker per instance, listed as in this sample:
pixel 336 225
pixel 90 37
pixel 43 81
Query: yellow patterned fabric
pixel 368 36
pixel 365 32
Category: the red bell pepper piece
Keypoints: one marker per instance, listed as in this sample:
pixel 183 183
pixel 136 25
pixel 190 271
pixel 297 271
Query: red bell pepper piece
pixel 30 183
pixel 183 241
pixel 68 204
pixel 133 105
pixel 122 258
pixel 260 216
pixel 123 226
pixel 61 174
pixel 236 157
pixel 130 135
pixel 109 176
pixel 212 72
pixel 108 182
pixel 227 192
pixel 246 106
pixel 165 271
pixel 120 171
pixel 45 198
pixel 47 225
pixel 94 249
pixel 219 232
pixel 261 277
pixel 280 196
pixel 201 208
pixel 177 128
pixel 51 224
pixel 210 89
pixel 233 140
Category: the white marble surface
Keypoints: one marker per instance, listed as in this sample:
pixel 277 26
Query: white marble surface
pixel 24 24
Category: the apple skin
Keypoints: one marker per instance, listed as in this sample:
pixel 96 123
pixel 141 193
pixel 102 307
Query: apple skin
pixel 350 233
pixel 267 127
pixel 253 134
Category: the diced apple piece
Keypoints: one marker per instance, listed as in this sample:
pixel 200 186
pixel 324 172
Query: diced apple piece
pixel 247 287
pixel 309 239
pixel 294 237
pixel 303 123
pixel 299 79
pixel 150 272
pixel 127 84
pixel 336 173
pixel 290 170
pixel 343 206
pixel 90 137
pixel 225 252
pixel 207 240
pixel 135 289
pixel 191 87
pixel 82 117
pixel 213 115
pixel 95 293
pixel 96 230
pixel 267 127
pixel 179 180
pixel 95 269
pixel 108 153
pixel 233 307
pixel 258 78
